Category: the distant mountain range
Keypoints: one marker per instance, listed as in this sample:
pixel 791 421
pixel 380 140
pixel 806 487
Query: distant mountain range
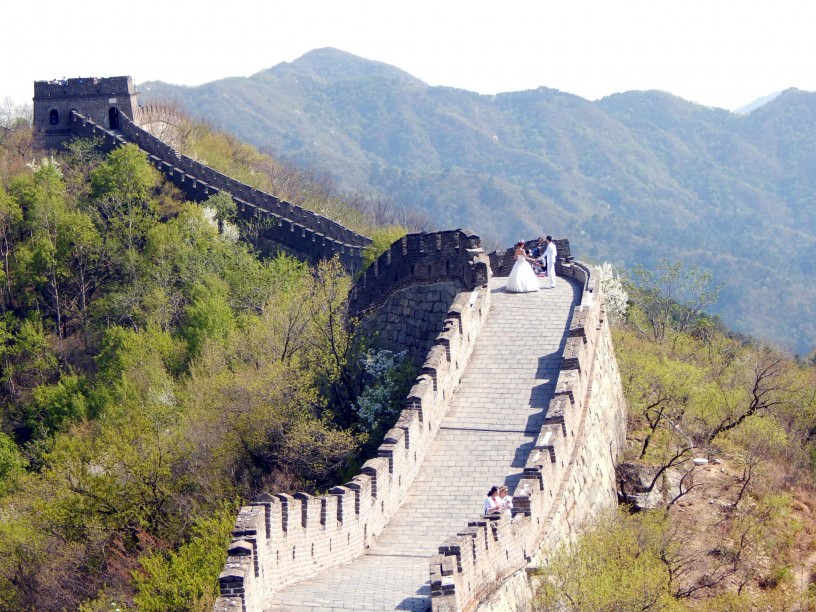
pixel 636 177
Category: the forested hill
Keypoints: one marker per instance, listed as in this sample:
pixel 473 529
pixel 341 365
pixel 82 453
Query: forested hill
pixel 633 178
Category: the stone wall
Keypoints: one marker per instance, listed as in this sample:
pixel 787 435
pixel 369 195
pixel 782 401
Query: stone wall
pixel 568 476
pixel 302 231
pixel 402 298
pixel 96 98
pixel 281 538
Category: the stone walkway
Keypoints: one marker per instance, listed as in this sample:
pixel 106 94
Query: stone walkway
pixel 484 440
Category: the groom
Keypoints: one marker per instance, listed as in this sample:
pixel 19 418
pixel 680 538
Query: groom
pixel 549 257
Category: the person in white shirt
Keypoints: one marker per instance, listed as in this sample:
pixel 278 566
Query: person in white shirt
pixel 549 256
pixel 505 501
pixel 492 505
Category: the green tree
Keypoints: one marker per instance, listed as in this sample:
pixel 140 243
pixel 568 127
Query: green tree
pixel 208 316
pixel 187 578
pixel 669 298
pixel 381 240
pixel 12 463
pixel 123 188
pixel 622 563
pixel 11 215
pixel 54 407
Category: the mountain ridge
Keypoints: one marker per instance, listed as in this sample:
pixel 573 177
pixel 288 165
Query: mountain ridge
pixel 635 177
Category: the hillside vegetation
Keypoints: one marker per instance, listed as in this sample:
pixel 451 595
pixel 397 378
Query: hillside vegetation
pixel 155 373
pixel 719 467
pixel 637 177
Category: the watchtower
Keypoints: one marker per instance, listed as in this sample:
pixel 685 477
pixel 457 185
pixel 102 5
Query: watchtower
pixel 101 100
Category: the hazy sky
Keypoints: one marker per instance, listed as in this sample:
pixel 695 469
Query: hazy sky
pixel 723 53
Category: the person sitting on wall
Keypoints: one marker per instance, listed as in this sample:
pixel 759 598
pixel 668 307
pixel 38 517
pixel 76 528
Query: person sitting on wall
pixel 492 505
pixel 505 501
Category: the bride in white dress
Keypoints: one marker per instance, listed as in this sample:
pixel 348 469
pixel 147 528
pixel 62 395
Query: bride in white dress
pixel 522 277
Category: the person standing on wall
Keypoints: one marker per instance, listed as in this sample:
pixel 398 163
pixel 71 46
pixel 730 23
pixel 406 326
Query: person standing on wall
pixel 549 256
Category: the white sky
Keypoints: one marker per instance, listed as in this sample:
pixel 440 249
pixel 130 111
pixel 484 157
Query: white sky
pixel 723 53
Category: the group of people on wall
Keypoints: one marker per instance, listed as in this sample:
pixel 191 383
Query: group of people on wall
pixel 529 265
pixel 498 502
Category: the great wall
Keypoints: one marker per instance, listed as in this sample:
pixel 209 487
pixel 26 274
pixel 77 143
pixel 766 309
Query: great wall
pixel 515 388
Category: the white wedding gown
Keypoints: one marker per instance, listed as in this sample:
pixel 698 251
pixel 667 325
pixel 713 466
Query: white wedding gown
pixel 522 277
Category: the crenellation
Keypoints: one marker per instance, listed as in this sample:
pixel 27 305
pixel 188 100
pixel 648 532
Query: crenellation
pixel 345 503
pixel 290 519
pixel 549 498
pixel 339 526
pixel 310 508
pixel 410 423
pixel 377 470
pixel 265 502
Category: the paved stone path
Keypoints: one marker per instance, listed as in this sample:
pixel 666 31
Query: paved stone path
pixel 485 438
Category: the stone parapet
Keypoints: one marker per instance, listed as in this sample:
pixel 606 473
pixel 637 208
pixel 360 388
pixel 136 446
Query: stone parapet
pixel 280 539
pixel 403 298
pixel 307 233
pixel 421 258
pixel 559 489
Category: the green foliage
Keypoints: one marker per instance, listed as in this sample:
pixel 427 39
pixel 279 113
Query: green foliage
pixel 137 355
pixel 123 188
pixel 382 239
pixel 55 407
pixel 152 367
pixel 29 359
pixel 223 205
pixel 11 463
pixel 617 565
pixel 126 175
pixel 21 547
pixel 187 578
pixel 209 315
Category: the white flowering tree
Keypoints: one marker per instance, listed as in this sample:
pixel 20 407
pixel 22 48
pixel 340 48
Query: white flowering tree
pixel 386 374
pixel 617 299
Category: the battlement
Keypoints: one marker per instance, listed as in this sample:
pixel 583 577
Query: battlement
pixel 308 234
pixel 281 538
pixel 84 87
pixel 584 424
pixel 420 258
pixel 103 100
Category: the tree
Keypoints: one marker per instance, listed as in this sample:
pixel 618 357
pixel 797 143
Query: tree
pixel 41 197
pixel 622 563
pixel 381 241
pixel 11 216
pixel 759 383
pixel 208 316
pixel 187 578
pixel 332 342
pixel 123 188
pixel 669 298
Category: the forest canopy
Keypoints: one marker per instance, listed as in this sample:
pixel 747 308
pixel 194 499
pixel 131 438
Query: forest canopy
pixel 157 371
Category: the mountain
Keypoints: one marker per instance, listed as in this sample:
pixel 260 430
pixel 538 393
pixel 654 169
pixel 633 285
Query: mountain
pixel 752 106
pixel 635 177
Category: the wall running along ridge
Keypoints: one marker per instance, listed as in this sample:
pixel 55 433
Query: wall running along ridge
pixel 280 538
pixel 402 299
pixel 310 235
pixel 569 474
pixel 568 477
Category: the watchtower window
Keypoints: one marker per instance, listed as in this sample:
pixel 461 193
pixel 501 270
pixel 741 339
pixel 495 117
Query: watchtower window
pixel 113 118
pixel 53 117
